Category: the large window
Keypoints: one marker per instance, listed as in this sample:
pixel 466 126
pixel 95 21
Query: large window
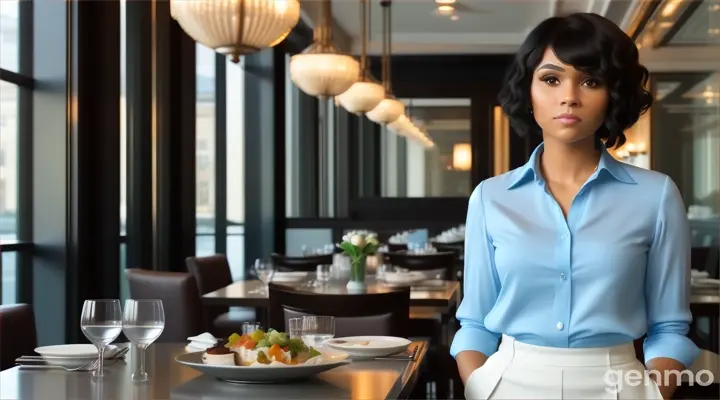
pixel 14 117
pixel 219 159
pixel 205 151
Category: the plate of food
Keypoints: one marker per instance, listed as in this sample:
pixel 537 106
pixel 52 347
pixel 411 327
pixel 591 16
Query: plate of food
pixel 263 357
pixel 369 346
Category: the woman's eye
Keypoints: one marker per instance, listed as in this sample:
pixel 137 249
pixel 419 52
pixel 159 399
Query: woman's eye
pixel 551 80
pixel 591 83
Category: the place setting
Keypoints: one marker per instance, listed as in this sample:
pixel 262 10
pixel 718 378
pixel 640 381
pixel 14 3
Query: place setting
pixel 307 349
pixel 102 321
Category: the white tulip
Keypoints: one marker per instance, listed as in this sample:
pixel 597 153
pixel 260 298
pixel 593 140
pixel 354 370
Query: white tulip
pixel 346 238
pixel 357 240
pixel 372 235
pixel 372 240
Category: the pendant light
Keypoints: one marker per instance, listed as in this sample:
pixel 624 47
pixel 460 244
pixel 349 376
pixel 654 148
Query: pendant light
pixel 321 70
pixel 389 109
pixel 365 94
pixel 236 27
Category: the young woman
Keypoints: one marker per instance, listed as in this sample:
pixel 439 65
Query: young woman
pixel 571 257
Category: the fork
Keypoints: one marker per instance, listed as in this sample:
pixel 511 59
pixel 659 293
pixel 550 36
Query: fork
pixel 85 367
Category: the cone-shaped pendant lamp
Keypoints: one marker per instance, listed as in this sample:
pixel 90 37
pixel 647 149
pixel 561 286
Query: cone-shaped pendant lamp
pixel 389 109
pixel 321 70
pixel 365 94
pixel 236 27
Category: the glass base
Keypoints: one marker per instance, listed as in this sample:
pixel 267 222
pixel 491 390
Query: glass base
pixel 139 377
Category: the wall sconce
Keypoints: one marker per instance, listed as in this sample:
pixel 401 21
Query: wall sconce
pixel 462 157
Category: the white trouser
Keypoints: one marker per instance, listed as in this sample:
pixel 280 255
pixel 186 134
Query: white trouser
pixel 523 371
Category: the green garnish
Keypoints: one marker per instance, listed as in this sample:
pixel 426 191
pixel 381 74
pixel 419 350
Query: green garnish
pixel 232 339
pixel 314 353
pixel 262 358
pixel 296 346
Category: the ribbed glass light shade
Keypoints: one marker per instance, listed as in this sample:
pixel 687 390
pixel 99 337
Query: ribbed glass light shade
pixel 236 27
pixel 387 111
pixel 401 125
pixel 362 97
pixel 323 74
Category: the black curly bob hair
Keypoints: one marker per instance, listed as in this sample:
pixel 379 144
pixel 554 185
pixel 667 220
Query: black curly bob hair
pixel 594 45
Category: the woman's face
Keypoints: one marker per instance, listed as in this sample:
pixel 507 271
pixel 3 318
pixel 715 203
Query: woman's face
pixel 569 105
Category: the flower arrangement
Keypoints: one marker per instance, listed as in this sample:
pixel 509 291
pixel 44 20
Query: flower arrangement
pixel 358 245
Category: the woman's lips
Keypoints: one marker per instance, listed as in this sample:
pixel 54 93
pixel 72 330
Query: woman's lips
pixel 568 119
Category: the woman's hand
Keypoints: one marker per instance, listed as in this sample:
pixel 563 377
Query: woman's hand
pixel 468 361
pixel 658 367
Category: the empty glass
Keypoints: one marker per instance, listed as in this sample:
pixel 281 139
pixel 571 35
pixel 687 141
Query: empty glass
pixel 323 274
pixel 249 327
pixel 143 322
pixel 101 323
pixel 295 327
pixel 317 329
pixel 264 271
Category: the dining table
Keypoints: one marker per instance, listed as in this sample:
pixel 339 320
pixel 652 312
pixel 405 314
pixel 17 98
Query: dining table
pixel 251 293
pixel 169 379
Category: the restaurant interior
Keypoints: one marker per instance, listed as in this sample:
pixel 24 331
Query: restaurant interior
pixel 293 172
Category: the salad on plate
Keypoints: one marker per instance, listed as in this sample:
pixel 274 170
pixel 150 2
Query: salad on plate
pixel 271 348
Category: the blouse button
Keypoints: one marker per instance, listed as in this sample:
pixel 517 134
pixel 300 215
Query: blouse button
pixel 562 276
pixel 560 326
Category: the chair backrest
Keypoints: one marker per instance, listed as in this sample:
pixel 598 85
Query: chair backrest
pixel 17 333
pixel 305 263
pixel 383 314
pixel 181 301
pixel 211 273
pixel 445 260
pixel 706 259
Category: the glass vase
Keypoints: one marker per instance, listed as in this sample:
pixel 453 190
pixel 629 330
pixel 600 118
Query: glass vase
pixel 357 274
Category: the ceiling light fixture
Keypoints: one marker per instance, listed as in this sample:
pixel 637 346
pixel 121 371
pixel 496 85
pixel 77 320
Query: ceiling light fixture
pixel 445 10
pixel 321 70
pixel 365 94
pixel 236 28
pixel 390 108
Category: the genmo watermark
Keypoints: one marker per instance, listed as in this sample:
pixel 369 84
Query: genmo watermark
pixel 616 380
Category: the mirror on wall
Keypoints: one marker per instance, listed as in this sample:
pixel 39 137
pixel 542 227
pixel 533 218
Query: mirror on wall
pixel 410 169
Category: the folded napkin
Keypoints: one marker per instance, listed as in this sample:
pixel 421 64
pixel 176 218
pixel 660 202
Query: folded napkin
pixel 202 341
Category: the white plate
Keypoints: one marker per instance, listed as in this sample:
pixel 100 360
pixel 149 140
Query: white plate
pixel 289 276
pixel 266 373
pixel 369 346
pixel 69 351
pixel 403 278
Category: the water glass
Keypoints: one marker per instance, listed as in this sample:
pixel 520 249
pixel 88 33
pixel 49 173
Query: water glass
pixel 143 322
pixel 295 327
pixel 265 271
pixel 101 323
pixel 317 329
pixel 248 328
pixel 323 274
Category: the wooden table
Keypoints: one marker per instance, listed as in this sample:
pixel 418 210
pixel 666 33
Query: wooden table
pixel 249 294
pixel 170 379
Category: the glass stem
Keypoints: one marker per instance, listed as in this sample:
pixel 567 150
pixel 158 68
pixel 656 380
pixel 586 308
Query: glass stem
pixel 101 358
pixel 142 359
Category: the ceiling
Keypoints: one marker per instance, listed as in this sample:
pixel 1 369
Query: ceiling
pixel 480 26
pixel 702 28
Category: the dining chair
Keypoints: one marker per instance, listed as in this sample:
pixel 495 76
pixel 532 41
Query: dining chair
pixel 366 314
pixel 212 273
pixel 303 263
pixel 18 336
pixel 423 262
pixel 181 301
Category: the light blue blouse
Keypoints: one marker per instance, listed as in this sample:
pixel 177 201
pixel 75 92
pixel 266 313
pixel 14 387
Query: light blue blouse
pixel 618 268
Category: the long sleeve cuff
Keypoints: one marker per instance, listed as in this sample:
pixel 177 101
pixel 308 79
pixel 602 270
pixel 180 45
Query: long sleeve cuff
pixel 476 339
pixel 670 345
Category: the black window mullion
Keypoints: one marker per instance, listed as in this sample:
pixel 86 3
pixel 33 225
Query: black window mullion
pixel 220 154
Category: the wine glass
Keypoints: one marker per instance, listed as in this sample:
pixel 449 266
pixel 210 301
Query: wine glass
pixel 264 271
pixel 101 323
pixel 143 322
pixel 317 329
pixel 323 274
